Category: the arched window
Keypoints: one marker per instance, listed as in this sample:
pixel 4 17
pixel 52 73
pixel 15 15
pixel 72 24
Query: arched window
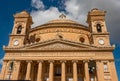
pixel 19 29
pixel 99 29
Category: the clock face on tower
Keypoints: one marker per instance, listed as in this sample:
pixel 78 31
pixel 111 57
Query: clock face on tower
pixel 16 42
pixel 101 41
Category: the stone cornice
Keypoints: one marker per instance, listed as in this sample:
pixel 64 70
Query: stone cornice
pixel 107 49
pixel 65 46
pixel 17 35
pixel 61 25
pixel 106 33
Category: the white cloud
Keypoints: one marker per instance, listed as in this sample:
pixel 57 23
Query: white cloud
pixel 43 16
pixel 38 4
pixel 1 61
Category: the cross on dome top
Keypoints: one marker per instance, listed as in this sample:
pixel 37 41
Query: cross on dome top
pixel 62 16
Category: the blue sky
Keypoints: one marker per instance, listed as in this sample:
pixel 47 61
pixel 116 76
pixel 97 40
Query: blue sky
pixel 44 10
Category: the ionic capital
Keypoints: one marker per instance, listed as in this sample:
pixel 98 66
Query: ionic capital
pixel 63 61
pixel 74 61
pixel 40 61
pixel 85 61
pixel 29 61
pixel 51 61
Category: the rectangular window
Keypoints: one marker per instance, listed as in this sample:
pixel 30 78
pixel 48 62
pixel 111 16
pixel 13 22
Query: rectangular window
pixel 92 79
pixel 9 76
pixel 70 79
pixel 105 67
pixel 46 79
pixel 80 79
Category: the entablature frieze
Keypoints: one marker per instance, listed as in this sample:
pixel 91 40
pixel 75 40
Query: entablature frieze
pixel 59 55
pixel 61 60
pixel 102 49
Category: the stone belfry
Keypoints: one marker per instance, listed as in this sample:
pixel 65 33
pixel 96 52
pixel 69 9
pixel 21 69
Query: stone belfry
pixel 22 25
pixel 59 50
pixel 97 25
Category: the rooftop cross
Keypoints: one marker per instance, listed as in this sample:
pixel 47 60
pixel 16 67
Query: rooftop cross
pixel 62 16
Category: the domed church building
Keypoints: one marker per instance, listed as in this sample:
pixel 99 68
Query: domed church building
pixel 59 50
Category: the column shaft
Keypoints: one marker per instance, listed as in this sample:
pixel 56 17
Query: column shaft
pixel 39 75
pixel 75 76
pixel 16 72
pixel 63 77
pixel 51 71
pixel 86 71
pixel 28 71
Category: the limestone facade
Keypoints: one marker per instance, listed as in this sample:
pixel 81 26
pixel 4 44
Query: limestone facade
pixel 59 50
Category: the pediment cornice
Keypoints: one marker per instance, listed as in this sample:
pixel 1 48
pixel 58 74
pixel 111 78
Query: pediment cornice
pixel 58 45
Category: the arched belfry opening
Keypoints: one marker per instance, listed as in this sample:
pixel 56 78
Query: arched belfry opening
pixel 19 29
pixel 99 28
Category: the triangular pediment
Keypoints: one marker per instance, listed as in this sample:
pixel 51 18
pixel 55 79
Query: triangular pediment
pixel 57 45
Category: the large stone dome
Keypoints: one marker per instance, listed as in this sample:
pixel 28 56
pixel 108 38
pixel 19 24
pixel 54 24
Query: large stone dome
pixel 61 28
pixel 62 21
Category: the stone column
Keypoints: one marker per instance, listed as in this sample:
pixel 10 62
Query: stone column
pixel 51 71
pixel 28 70
pixel 112 69
pixel 39 75
pixel 100 71
pixel 87 78
pixel 3 71
pixel 16 70
pixel 63 77
pixel 75 76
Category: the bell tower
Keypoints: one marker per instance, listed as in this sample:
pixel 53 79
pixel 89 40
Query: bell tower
pixel 22 24
pixel 97 25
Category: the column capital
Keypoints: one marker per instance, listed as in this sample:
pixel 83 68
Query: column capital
pixel 98 61
pixel 85 61
pixel 5 61
pixel 111 61
pixel 51 61
pixel 74 61
pixel 17 61
pixel 40 61
pixel 29 61
pixel 63 61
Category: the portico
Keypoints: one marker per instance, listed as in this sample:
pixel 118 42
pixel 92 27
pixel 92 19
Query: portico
pixel 61 70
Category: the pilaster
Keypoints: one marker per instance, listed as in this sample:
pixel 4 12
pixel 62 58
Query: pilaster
pixel 100 71
pixel 16 70
pixel 112 71
pixel 3 71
